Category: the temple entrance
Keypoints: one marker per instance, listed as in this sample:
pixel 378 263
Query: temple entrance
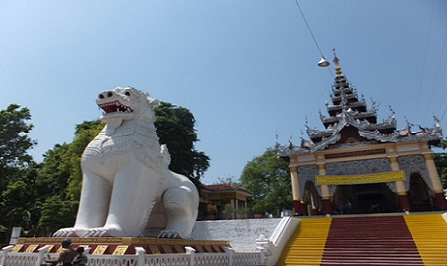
pixel 420 199
pixel 312 199
pixel 365 198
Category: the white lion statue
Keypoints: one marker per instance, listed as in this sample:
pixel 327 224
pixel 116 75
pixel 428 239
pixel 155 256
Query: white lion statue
pixel 127 189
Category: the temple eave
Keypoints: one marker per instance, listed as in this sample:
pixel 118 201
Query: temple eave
pixel 395 137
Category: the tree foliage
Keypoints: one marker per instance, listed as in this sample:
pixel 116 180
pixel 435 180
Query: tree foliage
pixel 17 171
pixel 268 178
pixel 175 128
pixel 14 142
pixel 57 212
pixel 441 165
pixel 52 185
pixel 52 178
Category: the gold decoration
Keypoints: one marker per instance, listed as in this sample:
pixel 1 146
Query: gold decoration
pixel 179 249
pixel 120 250
pixel 360 179
pixel 167 249
pixel 17 247
pixel 31 248
pixel 121 240
pixel 154 249
pixel 351 140
pixel 100 249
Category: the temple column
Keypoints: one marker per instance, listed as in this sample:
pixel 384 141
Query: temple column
pixel 441 202
pixel 325 194
pixel 299 208
pixel 402 194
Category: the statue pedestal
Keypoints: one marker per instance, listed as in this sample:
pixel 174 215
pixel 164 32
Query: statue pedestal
pixel 122 245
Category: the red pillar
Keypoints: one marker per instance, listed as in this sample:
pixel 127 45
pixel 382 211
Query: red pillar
pixel 404 202
pixel 327 206
pixel 299 208
pixel 441 202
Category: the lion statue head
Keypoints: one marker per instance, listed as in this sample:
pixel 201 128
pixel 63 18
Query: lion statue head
pixel 122 104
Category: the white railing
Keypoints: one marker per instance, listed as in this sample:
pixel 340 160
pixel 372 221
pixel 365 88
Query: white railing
pixel 190 258
pixel 274 246
pixel 22 259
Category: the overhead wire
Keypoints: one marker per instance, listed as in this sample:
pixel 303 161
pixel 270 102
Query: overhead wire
pixel 423 65
pixel 308 27
pixel 436 78
pixel 311 34
pixel 316 44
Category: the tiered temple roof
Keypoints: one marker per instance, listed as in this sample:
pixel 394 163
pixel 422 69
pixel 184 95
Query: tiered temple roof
pixel 351 123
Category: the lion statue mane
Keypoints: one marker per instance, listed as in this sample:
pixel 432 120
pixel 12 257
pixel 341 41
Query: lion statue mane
pixel 127 188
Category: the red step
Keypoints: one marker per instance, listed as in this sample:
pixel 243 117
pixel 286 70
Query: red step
pixel 361 241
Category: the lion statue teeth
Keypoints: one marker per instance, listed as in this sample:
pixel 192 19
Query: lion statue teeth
pixel 127 189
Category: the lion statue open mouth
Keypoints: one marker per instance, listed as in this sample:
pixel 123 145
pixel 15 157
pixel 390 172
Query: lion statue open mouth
pixel 128 190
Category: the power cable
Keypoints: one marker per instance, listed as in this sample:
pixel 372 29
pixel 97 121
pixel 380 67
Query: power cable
pixel 313 37
pixel 423 65
pixel 305 21
pixel 436 77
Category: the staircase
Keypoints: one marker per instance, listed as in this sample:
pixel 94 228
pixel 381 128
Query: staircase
pixel 359 241
pixel 430 235
pixel 368 240
pixel 306 245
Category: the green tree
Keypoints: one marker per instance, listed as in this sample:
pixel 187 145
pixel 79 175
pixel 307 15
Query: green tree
pixel 441 165
pixel 14 142
pixel 52 177
pixel 52 184
pixel 57 212
pixel 175 128
pixel 19 207
pixel 17 173
pixel 268 178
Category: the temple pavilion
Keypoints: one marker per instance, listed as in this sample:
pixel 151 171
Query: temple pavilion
pixel 357 165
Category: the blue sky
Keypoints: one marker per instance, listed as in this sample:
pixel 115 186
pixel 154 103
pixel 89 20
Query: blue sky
pixel 247 70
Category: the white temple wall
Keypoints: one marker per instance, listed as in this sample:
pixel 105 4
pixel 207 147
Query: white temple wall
pixel 242 233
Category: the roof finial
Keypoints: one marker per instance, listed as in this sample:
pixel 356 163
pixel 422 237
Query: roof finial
pixel 337 65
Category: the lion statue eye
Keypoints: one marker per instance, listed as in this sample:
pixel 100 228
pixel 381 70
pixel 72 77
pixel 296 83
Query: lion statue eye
pixel 127 93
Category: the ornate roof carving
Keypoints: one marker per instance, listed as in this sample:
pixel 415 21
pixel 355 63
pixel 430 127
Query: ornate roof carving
pixel 348 111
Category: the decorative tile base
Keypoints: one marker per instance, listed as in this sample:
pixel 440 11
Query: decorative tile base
pixel 122 246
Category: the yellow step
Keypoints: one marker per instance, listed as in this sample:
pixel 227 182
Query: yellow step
pixel 430 236
pixel 306 245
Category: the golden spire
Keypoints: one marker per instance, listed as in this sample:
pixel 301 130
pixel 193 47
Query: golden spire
pixel 337 65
